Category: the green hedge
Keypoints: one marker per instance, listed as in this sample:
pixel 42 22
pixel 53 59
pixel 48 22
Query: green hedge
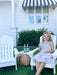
pixel 30 37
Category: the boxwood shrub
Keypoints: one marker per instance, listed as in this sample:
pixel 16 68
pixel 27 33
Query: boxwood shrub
pixel 30 37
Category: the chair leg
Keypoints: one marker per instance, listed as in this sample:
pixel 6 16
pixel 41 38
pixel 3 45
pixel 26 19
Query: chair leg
pixel 16 67
pixel 54 70
pixel 15 64
pixel 32 68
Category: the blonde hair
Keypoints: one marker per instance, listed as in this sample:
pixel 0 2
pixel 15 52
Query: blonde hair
pixel 50 39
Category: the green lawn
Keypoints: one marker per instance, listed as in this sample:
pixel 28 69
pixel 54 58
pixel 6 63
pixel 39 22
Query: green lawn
pixel 24 70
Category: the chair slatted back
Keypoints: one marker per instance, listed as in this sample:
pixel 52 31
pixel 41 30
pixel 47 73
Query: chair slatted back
pixel 6 47
pixel 53 39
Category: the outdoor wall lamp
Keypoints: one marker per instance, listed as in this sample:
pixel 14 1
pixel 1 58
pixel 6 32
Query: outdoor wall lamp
pixel 55 6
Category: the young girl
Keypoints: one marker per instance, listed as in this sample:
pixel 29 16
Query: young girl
pixel 46 48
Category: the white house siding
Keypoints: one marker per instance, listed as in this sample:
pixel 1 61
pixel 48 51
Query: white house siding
pixel 56 23
pixel 52 20
pixel 5 17
pixel 22 19
pixel 6 20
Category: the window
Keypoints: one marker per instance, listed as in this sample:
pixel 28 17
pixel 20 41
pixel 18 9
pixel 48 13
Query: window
pixel 31 15
pixel 38 15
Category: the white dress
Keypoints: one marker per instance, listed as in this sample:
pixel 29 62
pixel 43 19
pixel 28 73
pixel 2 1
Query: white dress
pixel 42 56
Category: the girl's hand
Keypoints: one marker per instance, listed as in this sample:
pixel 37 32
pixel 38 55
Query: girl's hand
pixel 46 51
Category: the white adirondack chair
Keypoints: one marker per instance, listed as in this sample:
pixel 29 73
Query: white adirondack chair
pixel 53 61
pixel 7 53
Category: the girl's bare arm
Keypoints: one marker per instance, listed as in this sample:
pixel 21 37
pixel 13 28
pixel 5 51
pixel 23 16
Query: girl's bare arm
pixel 39 47
pixel 52 47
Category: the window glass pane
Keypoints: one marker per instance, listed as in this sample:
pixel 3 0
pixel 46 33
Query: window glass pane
pixel 38 18
pixel 45 9
pixel 31 10
pixel 45 19
pixel 31 19
pixel 38 10
pixel 31 15
pixel 45 14
pixel 38 14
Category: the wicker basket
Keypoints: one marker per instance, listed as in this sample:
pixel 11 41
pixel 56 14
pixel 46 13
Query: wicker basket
pixel 24 59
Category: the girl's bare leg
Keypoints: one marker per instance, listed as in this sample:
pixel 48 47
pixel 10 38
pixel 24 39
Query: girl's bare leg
pixel 37 74
pixel 40 68
pixel 37 65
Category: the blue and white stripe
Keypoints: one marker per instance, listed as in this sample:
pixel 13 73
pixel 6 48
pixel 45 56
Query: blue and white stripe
pixel 31 3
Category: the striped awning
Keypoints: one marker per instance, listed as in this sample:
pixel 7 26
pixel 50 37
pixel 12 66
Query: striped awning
pixel 31 3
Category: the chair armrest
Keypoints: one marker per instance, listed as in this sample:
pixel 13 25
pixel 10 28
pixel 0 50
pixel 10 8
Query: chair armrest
pixel 55 54
pixel 31 52
pixel 16 52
